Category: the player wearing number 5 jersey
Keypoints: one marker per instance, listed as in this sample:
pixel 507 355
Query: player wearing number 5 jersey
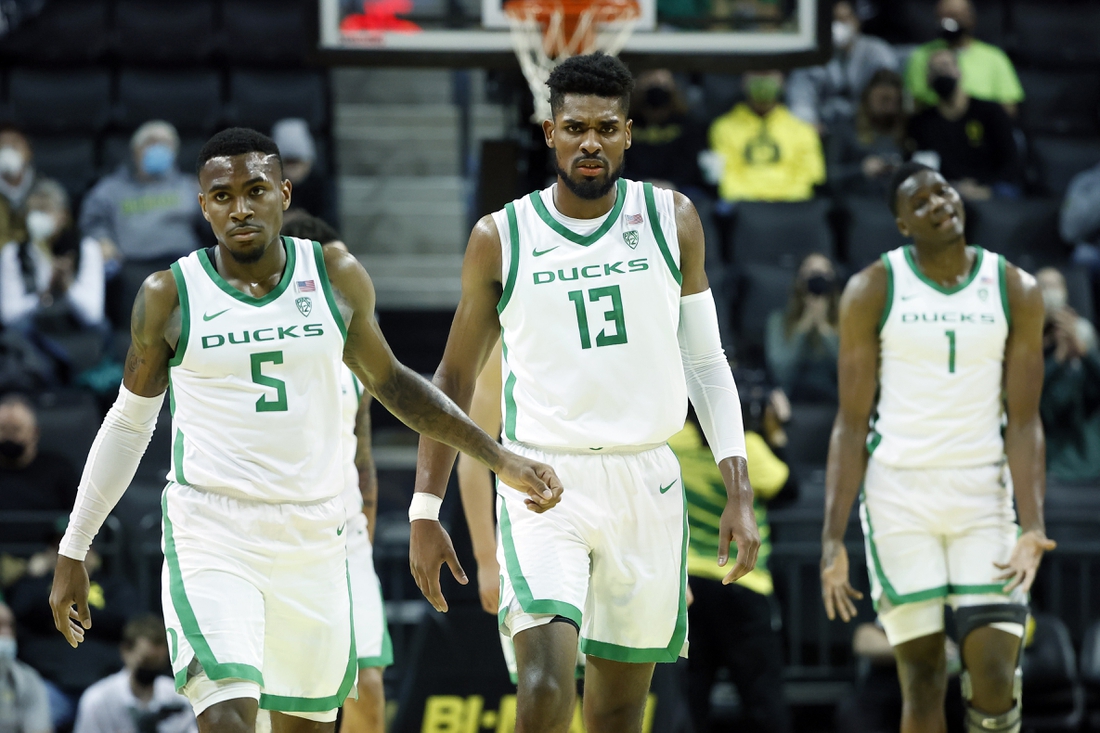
pixel 596 288
pixel 248 339
pixel 941 368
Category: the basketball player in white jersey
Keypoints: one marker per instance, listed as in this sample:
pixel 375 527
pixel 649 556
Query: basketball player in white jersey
pixel 941 368
pixel 249 338
pixel 596 287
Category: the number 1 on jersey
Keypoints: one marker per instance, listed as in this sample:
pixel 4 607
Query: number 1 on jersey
pixel 615 315
pixel 950 352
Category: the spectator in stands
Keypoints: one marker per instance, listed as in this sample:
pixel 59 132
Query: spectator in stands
pixel 1080 220
pixel 863 152
pixel 17 175
pixel 968 140
pixel 311 190
pixel 731 626
pixel 987 73
pixel 665 141
pixel 30 480
pixel 827 95
pixel 140 698
pixel 770 155
pixel 147 209
pixel 54 274
pixel 24 702
pixel 801 342
pixel 1070 405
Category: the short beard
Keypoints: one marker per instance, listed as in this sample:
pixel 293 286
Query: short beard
pixel 247 258
pixel 589 190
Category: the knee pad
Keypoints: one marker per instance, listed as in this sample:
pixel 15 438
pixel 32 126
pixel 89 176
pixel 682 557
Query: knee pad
pixel 968 618
pixel 1005 616
pixel 979 722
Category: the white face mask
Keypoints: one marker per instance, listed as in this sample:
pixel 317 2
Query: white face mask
pixel 1054 299
pixel 41 225
pixel 843 33
pixel 12 161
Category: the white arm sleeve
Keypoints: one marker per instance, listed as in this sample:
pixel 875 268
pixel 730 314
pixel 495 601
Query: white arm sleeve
pixel 710 382
pixel 112 463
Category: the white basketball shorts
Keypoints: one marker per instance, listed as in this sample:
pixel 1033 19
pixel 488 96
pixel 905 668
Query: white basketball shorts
pixel 373 647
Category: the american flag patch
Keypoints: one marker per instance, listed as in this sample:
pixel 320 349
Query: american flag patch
pixel 987 280
pixel 634 219
pixel 305 286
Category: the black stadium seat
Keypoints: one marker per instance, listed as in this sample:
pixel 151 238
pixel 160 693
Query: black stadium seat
pixel 1057 33
pixel 68 423
pixel 808 434
pixel 259 99
pixel 189 100
pixel 1064 103
pixel 1025 231
pixel 1060 159
pixel 59 101
pixel 258 31
pixel 69 160
pixel 872 230
pixel 780 233
pixel 761 290
pixel 164 32
pixel 919 18
pixel 65 31
pixel 1053 698
pixel 1090 674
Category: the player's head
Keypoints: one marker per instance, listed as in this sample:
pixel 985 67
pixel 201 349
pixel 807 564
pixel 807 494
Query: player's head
pixel 298 223
pixel 926 206
pixel 590 131
pixel 242 191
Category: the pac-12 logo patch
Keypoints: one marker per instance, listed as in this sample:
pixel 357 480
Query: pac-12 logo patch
pixel 631 238
pixel 305 305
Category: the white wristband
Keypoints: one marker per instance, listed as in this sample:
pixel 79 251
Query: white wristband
pixel 425 506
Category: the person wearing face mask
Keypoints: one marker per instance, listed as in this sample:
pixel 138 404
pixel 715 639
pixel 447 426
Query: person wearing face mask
pixel 314 192
pixel 24 701
pixel 970 140
pixel 769 154
pixel 1070 404
pixel 665 142
pixel 801 342
pixel 827 96
pixel 147 210
pixel 864 152
pixel 987 73
pixel 141 697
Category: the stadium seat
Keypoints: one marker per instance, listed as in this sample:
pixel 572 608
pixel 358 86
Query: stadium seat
pixel 68 423
pixel 761 290
pixel 1060 159
pixel 158 456
pixel 808 433
pixel 1079 290
pixel 70 160
pixel 1023 230
pixel 872 230
pixel 1090 674
pixel 1053 697
pixel 67 31
pixel 1063 103
pixel 263 31
pixel 259 99
pixel 780 233
pixel 164 32
pixel 59 101
pixel 720 93
pixel 190 100
pixel 1057 33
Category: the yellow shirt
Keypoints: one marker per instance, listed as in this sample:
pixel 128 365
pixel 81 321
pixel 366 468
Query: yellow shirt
pixel 776 157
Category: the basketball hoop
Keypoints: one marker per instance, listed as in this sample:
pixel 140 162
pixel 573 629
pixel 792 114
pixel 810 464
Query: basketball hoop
pixel 546 32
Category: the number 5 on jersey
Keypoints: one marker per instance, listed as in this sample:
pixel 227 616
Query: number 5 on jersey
pixel 265 403
pixel 615 316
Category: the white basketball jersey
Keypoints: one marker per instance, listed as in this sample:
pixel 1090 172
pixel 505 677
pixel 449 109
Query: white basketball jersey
pixel 351 392
pixel 588 315
pixel 942 361
pixel 255 382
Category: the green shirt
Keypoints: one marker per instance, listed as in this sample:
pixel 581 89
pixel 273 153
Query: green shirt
pixel 986 72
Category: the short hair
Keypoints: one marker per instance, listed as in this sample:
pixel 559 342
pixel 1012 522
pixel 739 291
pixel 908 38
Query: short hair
pixel 306 226
pixel 237 141
pixel 595 74
pixel 12 399
pixel 50 189
pixel 145 626
pixel 903 173
pixel 154 128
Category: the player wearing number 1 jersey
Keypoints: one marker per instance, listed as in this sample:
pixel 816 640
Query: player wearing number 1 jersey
pixel 941 368
pixel 248 337
pixel 596 288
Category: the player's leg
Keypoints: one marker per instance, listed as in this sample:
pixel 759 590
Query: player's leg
pixel 922 672
pixel 230 716
pixel 615 695
pixel 546 657
pixel 283 723
pixel 990 657
pixel 368 713
pixel 373 648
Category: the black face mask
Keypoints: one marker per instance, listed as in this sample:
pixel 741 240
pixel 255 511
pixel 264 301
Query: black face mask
pixel 944 86
pixel 658 97
pixel 145 676
pixel 819 285
pixel 12 450
pixel 952 32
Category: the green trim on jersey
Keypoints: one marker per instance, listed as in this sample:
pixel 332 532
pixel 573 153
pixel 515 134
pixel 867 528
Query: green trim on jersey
pixel 509 395
pixel 288 275
pixel 635 655
pixel 1002 276
pixel 513 263
pixel 384 659
pixel 659 235
pixel 291 704
pixel 330 298
pixel 889 291
pixel 572 236
pixel 185 315
pixel 873 439
pixel 519 583
pixel 177 458
pixel 979 256
pixel 190 624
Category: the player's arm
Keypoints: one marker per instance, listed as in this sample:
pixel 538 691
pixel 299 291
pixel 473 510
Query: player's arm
pixel 861 308
pixel 1025 445
pixel 118 447
pixel 713 393
pixel 364 464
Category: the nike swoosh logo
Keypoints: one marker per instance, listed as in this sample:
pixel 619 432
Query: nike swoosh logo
pixel 538 253
pixel 341 530
pixel 666 488
pixel 207 317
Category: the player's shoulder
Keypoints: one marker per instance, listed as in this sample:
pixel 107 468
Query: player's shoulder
pixel 1022 287
pixel 160 291
pixel 866 292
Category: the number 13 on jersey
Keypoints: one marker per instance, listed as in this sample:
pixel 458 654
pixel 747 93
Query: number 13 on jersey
pixel 614 316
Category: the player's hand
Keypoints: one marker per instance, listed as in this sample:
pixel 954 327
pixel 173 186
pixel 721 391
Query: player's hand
pixel 488 584
pixel 429 547
pixel 738 525
pixel 1022 566
pixel 70 588
pixel 537 480
pixel 836 591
